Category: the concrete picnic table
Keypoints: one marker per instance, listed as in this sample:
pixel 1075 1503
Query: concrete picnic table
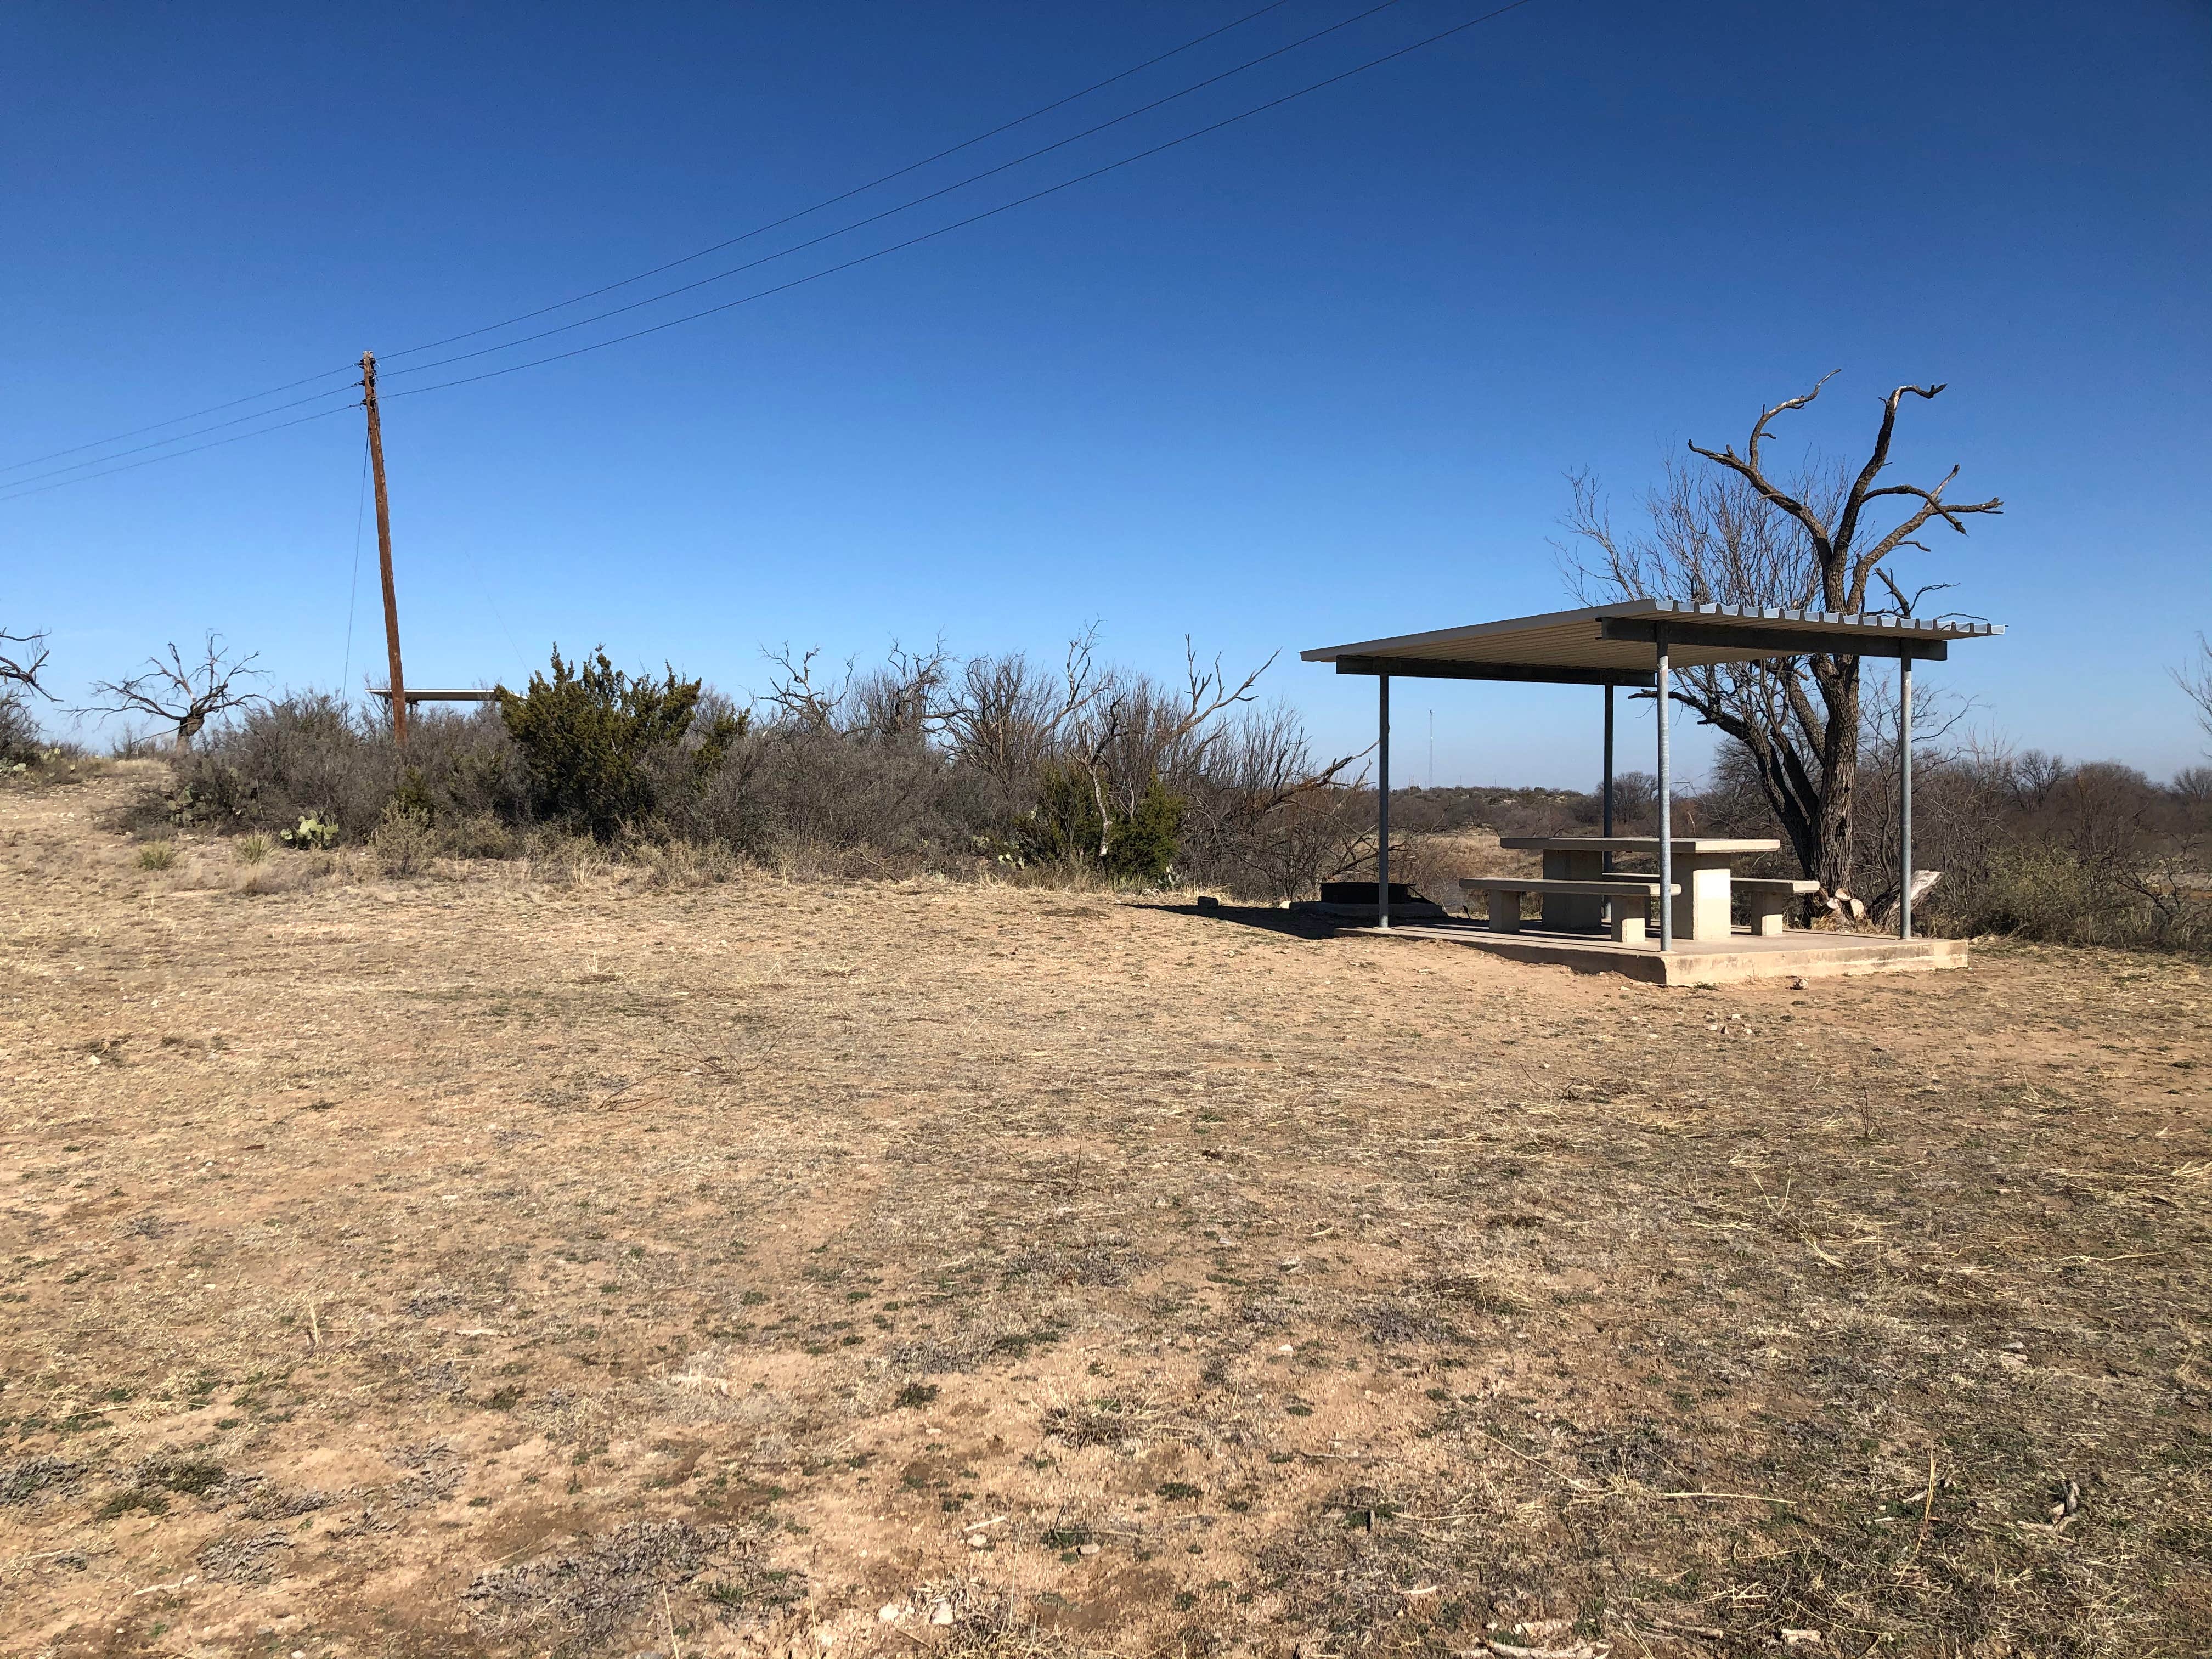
pixel 1703 867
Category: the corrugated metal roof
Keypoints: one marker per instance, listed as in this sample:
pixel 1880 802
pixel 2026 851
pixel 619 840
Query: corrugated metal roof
pixel 1574 639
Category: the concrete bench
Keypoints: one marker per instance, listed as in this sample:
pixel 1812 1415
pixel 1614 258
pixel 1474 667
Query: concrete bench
pixel 1505 891
pixel 1771 899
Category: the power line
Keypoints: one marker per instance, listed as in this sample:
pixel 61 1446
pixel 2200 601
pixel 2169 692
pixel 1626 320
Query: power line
pixel 219 426
pixel 857 189
pixel 976 218
pixel 931 195
pixel 758 230
pixel 132 466
pixel 176 420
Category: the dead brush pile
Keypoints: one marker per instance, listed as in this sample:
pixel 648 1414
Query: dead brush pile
pixel 584 1596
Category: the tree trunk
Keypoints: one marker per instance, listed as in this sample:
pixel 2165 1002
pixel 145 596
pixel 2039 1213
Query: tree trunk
pixel 1839 768
pixel 1785 797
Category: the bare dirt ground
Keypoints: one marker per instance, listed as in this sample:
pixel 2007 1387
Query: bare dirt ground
pixel 487 1263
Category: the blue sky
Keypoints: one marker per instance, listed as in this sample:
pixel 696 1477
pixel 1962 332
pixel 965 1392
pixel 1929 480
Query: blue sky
pixel 1318 376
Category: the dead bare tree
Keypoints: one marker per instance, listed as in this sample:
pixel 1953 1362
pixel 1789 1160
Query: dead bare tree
pixel 1262 809
pixel 1135 731
pixel 22 659
pixel 188 694
pixel 1008 718
pixel 904 701
pixel 805 705
pixel 1738 538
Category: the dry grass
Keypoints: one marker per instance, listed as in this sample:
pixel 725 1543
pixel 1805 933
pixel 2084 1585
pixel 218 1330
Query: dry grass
pixel 551 1259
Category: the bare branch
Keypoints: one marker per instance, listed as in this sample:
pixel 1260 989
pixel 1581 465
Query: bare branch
pixel 810 706
pixel 1864 566
pixel 1906 603
pixel 1937 507
pixel 904 701
pixel 1747 467
pixel 1306 785
pixel 2196 683
pixel 1083 685
pixel 1209 691
pixel 30 659
pixel 1855 503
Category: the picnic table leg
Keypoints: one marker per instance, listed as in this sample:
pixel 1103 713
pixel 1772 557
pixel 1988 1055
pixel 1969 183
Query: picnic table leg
pixel 1572 910
pixel 1703 906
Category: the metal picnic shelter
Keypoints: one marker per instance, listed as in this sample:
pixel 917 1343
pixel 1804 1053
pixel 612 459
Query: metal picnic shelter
pixel 1637 643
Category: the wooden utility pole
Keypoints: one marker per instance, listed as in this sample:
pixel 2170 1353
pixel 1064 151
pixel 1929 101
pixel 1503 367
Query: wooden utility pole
pixel 397 681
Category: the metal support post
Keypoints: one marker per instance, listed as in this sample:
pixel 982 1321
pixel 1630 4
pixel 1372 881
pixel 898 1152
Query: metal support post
pixel 1607 806
pixel 1382 803
pixel 1666 812
pixel 1605 793
pixel 1904 796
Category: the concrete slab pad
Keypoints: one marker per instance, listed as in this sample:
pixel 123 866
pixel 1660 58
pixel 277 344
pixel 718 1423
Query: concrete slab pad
pixel 1799 953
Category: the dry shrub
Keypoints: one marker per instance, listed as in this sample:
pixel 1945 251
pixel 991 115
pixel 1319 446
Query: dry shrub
pixel 289 875
pixel 2042 848
pixel 46 766
pixel 564 860
pixel 823 789
pixel 1070 877
pixel 718 804
pixel 310 757
pixel 682 863
pixel 911 770
pixel 403 842
pixel 20 741
pixel 2042 891
pixel 478 836
pixel 2026 844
